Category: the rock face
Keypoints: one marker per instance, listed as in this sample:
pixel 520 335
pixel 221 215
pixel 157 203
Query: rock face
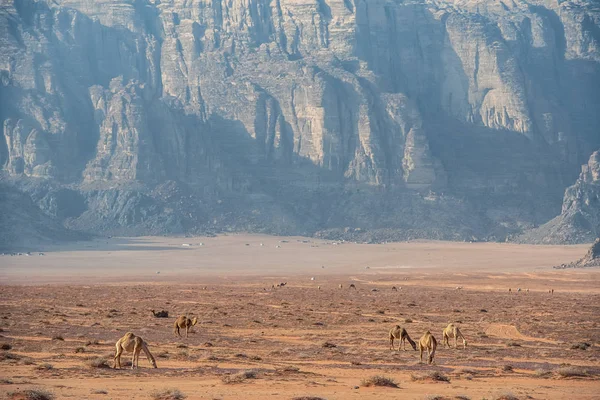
pixel 591 259
pixel 253 107
pixel 579 220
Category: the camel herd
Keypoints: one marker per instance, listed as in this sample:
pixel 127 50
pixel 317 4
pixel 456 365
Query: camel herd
pixel 131 343
pixel 427 341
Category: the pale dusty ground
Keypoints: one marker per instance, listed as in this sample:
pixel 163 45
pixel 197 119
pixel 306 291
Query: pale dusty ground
pixel 91 293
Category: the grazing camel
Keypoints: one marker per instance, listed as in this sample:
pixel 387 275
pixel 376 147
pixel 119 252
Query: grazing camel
pixel 160 314
pixel 132 344
pixel 427 342
pixel 394 289
pixel 398 332
pixel 452 331
pixel 352 286
pixel 184 322
pixel 341 286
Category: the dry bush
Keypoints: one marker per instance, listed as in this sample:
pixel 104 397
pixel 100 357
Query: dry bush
pixel 9 356
pixel 239 377
pixel 182 346
pixel 167 394
pixel 99 391
pixel 98 362
pixel 308 398
pixel 571 371
pixel 44 367
pixel 379 380
pixel 288 368
pixel 462 397
pixel 32 394
pixel 507 396
pixel 59 338
pixel 543 373
pixel 580 346
pixel 163 354
pixel 328 345
pixel 513 344
pixel 6 346
pixel 408 321
pixel 79 350
pixel 435 376
pixel 507 368
pixel 436 397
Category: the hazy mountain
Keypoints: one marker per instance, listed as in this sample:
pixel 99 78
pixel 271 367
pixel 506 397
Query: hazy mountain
pixel 368 120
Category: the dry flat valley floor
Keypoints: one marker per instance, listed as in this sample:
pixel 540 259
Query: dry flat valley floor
pixel 62 312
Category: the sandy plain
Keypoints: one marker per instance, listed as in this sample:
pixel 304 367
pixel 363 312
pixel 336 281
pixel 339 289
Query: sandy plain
pixel 63 311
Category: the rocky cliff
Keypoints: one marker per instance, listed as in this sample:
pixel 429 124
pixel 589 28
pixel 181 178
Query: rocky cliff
pixel 447 119
pixel 579 220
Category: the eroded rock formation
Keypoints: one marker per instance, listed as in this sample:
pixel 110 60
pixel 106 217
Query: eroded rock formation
pixel 481 101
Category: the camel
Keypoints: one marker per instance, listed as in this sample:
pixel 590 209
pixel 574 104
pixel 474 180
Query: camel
pixel 132 344
pixel 428 342
pixel 352 286
pixel 184 322
pixel 400 333
pixel 341 286
pixel 160 314
pixel 394 289
pixel 452 331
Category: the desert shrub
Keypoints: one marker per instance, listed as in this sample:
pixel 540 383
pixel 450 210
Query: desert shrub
pixel 543 373
pixel 163 354
pixel 328 345
pixel 182 346
pixel 408 321
pixel 308 398
pixel 580 346
pixel 167 394
pixel 435 376
pixel 44 367
pixel 32 394
pixel 507 368
pixel 462 397
pixel 99 391
pixel 288 368
pixel 513 344
pixel 59 338
pixel 239 377
pixel 379 380
pixel 507 396
pixel 6 346
pixel 436 397
pixel 571 371
pixel 79 350
pixel 98 362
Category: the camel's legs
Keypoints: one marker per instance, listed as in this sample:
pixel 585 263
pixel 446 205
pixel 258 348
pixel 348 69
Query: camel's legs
pixel 136 352
pixel 117 360
pixel 421 353
pixel 392 342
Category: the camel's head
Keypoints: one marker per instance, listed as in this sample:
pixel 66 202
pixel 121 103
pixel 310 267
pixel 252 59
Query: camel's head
pixel 194 321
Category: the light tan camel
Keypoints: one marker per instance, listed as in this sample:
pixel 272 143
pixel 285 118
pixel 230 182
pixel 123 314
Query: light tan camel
pixel 452 331
pixel 427 342
pixel 132 344
pixel 184 322
pixel 398 332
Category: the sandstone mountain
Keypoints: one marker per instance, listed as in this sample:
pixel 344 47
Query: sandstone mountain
pixel 362 119
pixel 591 259
pixel 579 220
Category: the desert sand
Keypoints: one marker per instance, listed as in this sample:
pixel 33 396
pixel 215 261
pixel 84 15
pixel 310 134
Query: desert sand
pixel 62 312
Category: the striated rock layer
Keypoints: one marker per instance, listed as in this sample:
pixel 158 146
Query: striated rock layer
pixel 455 119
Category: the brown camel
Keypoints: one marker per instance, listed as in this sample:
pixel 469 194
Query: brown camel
pixel 398 332
pixel 184 322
